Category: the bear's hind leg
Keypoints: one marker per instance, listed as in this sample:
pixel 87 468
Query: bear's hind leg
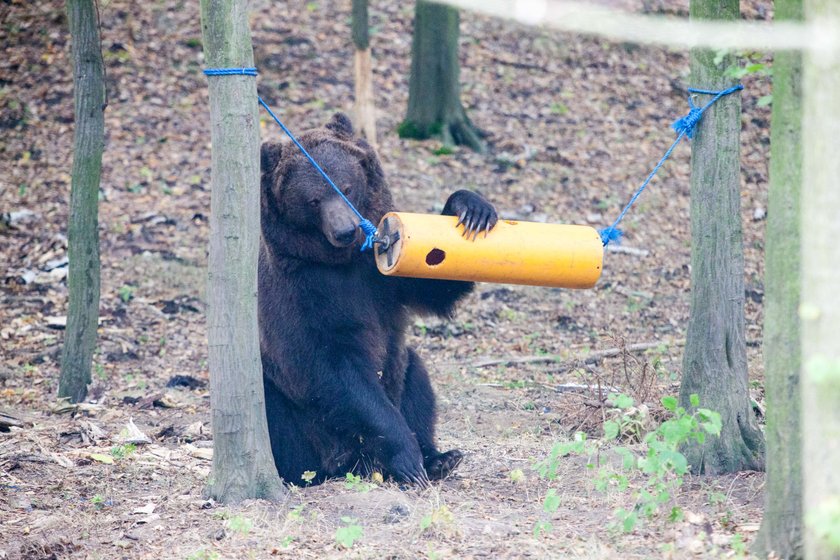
pixel 420 413
pixel 293 453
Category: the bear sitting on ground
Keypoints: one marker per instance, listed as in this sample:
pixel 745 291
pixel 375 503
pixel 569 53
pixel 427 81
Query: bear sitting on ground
pixel 343 391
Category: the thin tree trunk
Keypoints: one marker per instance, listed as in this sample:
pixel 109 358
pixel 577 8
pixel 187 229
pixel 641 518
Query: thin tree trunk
pixel 243 466
pixel 434 90
pixel 781 527
pixel 83 227
pixel 365 109
pixel 715 361
pixel 820 309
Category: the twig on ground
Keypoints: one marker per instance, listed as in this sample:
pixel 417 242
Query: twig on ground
pixel 590 359
pixel 628 250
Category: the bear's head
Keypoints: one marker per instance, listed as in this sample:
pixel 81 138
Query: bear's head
pixel 302 216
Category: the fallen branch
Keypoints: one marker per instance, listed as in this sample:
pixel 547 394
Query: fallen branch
pixel 628 250
pixel 590 359
pixel 8 421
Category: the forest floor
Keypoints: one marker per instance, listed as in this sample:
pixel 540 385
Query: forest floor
pixel 574 124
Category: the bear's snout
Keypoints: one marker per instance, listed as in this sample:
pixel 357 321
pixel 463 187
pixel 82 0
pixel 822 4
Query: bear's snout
pixel 339 223
pixel 346 237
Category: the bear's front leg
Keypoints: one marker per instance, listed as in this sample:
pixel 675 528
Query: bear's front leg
pixel 355 404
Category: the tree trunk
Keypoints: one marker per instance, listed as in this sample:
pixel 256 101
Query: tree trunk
pixel 820 309
pixel 243 466
pixel 434 89
pixel 715 361
pixel 781 528
pixel 83 227
pixel 365 109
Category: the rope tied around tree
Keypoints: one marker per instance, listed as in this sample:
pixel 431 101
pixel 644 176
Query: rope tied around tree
pixel 364 224
pixel 685 127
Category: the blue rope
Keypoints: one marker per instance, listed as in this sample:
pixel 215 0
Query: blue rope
pixel 685 127
pixel 364 224
pixel 230 71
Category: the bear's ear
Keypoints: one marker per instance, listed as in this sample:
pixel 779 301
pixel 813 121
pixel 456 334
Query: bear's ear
pixel 341 125
pixel 269 156
pixel 379 199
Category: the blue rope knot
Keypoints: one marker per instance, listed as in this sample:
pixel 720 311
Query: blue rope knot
pixel 370 234
pixel 687 123
pixel 685 127
pixel 366 225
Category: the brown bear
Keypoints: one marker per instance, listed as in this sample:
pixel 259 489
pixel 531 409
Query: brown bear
pixel 343 391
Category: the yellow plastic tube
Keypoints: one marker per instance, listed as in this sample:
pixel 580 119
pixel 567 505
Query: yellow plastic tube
pixel 430 246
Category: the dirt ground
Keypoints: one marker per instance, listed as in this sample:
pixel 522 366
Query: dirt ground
pixel 574 124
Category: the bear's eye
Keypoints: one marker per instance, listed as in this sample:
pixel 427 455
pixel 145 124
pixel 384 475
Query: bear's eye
pixel 347 191
pixel 314 203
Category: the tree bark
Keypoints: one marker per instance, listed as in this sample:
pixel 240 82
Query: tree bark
pixel 434 90
pixel 715 361
pixel 83 226
pixel 781 527
pixel 365 109
pixel 243 466
pixel 820 309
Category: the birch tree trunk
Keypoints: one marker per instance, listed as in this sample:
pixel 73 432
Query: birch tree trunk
pixel 365 108
pixel 83 226
pixel 434 88
pixel 781 527
pixel 243 466
pixel 715 361
pixel 820 309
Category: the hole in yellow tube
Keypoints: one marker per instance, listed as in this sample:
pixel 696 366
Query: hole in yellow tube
pixel 435 257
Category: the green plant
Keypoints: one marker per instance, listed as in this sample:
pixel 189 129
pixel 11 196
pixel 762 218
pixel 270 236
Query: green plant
pixel 355 482
pixel 349 533
pixel 240 524
pixel 547 468
pixel 287 541
pixel 629 423
pixel 558 108
pixel 308 476
pixel 662 463
pixel 123 451
pixel 126 292
pixel 439 517
pixel 444 150
pixel 296 514
pixel 738 546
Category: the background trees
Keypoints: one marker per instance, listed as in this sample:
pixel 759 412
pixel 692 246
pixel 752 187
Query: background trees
pixel 715 361
pixel 365 106
pixel 434 94
pixel 820 307
pixel 83 224
pixel 243 466
pixel 781 527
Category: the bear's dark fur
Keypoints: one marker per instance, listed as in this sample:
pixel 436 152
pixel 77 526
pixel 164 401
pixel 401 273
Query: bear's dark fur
pixel 343 391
